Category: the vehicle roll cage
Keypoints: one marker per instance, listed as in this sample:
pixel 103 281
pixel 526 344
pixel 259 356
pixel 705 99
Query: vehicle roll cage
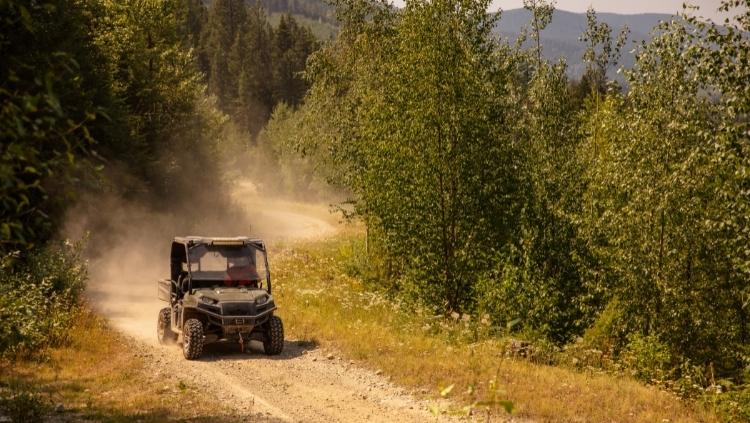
pixel 180 256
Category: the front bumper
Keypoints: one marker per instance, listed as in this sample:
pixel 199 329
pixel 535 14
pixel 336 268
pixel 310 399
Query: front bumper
pixel 238 320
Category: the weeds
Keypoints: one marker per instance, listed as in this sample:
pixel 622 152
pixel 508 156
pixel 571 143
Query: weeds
pixel 39 298
pixel 322 300
pixel 21 404
pixel 97 377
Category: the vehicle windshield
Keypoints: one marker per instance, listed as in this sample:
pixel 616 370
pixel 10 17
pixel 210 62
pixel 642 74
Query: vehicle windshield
pixel 227 265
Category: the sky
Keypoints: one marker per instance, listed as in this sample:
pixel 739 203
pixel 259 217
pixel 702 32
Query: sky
pixel 707 7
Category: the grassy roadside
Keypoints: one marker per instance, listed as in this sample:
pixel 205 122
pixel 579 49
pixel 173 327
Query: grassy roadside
pixel 319 302
pixel 98 376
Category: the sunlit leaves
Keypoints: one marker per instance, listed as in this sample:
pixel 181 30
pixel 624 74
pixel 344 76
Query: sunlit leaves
pixel 665 206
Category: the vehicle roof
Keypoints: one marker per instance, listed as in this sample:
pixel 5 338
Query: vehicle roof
pixel 209 240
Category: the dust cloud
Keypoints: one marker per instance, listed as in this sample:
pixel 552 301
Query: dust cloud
pixel 128 247
pixel 275 218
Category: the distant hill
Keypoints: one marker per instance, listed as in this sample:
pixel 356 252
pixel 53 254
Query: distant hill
pixel 561 37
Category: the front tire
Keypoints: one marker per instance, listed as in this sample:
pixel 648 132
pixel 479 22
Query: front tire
pixel 192 342
pixel 273 341
pixel 164 327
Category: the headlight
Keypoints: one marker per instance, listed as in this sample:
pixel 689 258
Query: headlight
pixel 261 300
pixel 208 300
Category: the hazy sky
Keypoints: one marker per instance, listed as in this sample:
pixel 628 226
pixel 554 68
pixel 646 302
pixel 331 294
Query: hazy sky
pixel 707 7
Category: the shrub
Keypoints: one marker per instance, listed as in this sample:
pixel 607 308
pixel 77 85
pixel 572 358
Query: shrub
pixel 22 405
pixel 647 357
pixel 734 406
pixel 609 331
pixel 39 296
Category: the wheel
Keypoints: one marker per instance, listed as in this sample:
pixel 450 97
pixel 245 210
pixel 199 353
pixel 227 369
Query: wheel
pixel 164 327
pixel 273 341
pixel 192 342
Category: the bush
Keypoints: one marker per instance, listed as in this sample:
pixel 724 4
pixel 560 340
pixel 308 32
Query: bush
pixel 39 296
pixel 647 357
pixel 609 331
pixel 734 406
pixel 22 405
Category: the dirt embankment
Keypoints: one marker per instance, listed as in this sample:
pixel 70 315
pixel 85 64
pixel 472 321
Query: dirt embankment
pixel 302 384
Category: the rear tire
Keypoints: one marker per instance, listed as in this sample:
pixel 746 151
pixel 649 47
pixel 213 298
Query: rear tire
pixel 164 327
pixel 273 341
pixel 192 342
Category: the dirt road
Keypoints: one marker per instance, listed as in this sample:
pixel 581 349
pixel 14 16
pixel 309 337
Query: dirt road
pixel 277 219
pixel 302 384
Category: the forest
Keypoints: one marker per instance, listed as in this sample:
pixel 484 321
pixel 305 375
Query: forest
pixel 614 215
pixel 126 99
pixel 491 184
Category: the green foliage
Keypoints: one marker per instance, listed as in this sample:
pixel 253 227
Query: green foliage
pixel 39 298
pixel 313 10
pixel 292 44
pixel 664 203
pixel 294 175
pixel 488 183
pixel 600 52
pixel 49 98
pixel 94 84
pixel 251 67
pixel 90 88
pixel 420 150
pixel 608 333
pixel 22 405
pixel 553 260
pixel 541 16
pixel 647 357
pixel 170 124
pixel 734 406
pixel 431 165
pixel 322 30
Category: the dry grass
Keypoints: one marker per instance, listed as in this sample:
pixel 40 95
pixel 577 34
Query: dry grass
pixel 99 377
pixel 322 304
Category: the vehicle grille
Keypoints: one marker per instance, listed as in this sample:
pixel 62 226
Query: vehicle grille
pixel 238 309
pixel 211 308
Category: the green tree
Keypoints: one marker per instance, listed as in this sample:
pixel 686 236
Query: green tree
pixel 53 92
pixel 226 21
pixel 600 53
pixel 541 16
pixel 665 203
pixel 541 279
pixel 292 44
pixel 251 64
pixel 427 158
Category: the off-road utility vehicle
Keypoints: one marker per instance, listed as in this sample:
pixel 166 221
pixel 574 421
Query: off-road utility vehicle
pixel 219 290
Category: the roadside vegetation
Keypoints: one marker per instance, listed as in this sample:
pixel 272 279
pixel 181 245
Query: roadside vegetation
pixel 59 360
pixel 583 215
pixel 39 299
pixel 601 226
pixel 325 300
pixel 97 376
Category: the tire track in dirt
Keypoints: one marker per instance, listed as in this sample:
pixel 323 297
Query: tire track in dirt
pixel 300 385
pixel 303 384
